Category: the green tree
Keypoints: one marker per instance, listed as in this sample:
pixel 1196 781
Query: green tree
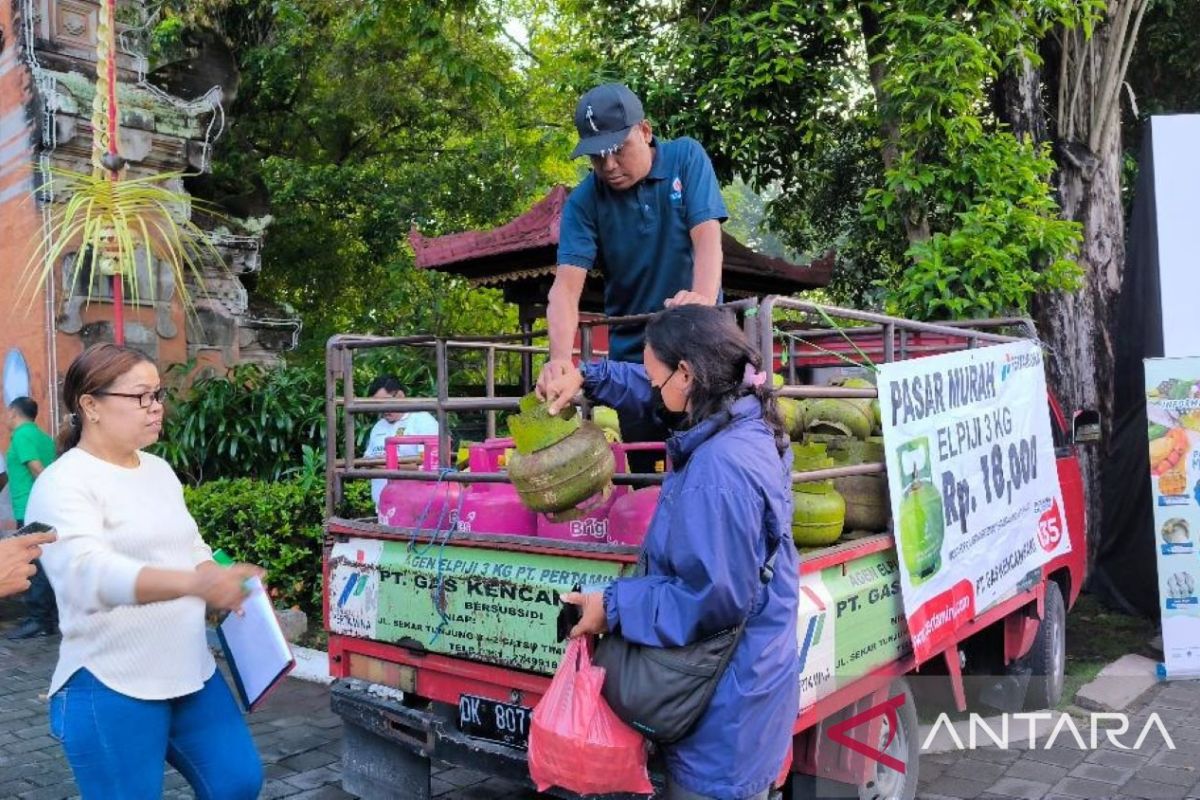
pixel 982 141
pixel 1164 72
pixel 357 120
pixel 872 122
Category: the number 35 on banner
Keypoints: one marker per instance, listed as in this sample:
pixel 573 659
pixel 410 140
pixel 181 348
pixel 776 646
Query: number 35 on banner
pixel 1050 528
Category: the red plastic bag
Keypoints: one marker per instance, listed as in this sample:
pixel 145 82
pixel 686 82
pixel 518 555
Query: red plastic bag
pixel 576 742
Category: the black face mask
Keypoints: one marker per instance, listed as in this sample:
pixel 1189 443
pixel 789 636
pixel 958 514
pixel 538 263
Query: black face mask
pixel 674 420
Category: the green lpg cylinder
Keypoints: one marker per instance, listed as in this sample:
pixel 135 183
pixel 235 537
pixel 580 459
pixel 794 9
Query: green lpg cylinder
pixel 536 429
pixel 871 405
pixel 792 410
pixel 850 416
pixel 820 512
pixel 922 523
pixel 556 479
pixel 559 461
pixel 868 507
pixel 839 416
pixel 608 421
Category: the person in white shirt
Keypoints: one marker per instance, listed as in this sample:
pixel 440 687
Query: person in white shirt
pixel 395 423
pixel 135 679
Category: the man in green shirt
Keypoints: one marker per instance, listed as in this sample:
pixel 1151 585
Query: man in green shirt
pixel 29 452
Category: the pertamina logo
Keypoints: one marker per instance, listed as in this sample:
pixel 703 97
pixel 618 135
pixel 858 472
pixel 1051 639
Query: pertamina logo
pixel 356 585
pixel 676 190
pixel 1018 362
pixel 816 624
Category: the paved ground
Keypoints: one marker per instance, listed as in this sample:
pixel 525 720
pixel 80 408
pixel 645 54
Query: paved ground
pixel 1068 771
pixel 300 743
pixel 299 740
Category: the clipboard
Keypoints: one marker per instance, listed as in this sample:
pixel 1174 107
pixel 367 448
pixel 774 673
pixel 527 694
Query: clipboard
pixel 258 655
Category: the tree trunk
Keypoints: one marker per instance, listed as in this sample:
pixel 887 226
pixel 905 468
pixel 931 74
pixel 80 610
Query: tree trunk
pixel 1079 327
pixel 1084 81
pixel 916 220
pixel 1017 100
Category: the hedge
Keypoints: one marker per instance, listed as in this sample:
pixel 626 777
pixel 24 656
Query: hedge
pixel 275 524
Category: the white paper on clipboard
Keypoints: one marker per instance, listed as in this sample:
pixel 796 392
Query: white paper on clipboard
pixel 258 654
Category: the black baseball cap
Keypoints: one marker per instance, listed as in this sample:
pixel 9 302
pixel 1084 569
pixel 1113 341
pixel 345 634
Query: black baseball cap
pixel 604 117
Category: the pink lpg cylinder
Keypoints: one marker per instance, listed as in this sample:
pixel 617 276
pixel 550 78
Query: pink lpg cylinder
pixel 416 503
pixel 493 507
pixel 630 515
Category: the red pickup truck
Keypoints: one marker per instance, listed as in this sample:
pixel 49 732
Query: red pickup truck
pixel 442 641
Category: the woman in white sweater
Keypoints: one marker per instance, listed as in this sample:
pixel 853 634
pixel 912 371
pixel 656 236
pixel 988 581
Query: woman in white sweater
pixel 135 682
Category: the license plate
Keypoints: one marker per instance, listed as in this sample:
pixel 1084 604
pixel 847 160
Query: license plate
pixel 488 719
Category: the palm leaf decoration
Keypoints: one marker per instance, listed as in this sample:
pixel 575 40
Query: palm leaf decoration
pixel 109 217
pixel 108 221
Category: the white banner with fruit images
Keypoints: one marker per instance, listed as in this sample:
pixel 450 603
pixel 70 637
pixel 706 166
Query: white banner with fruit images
pixel 973 482
pixel 1173 412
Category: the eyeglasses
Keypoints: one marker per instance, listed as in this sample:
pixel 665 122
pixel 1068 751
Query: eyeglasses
pixel 145 399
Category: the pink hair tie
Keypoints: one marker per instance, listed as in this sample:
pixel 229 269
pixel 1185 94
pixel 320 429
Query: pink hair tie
pixel 753 378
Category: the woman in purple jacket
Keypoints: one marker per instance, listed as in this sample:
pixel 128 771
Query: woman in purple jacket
pixel 727 503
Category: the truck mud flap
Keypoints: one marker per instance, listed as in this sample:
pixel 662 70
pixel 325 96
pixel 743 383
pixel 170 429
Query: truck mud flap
pixel 427 731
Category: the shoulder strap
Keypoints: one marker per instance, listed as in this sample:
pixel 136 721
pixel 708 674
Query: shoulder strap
pixel 767 571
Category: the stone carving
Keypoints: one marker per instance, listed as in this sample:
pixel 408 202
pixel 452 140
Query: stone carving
pixel 164 320
pixel 212 328
pixel 158 133
pixel 70 319
pixel 74 24
pixel 137 336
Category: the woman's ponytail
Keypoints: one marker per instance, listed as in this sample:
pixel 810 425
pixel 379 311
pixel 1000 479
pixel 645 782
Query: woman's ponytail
pixel 68 433
pixel 724 366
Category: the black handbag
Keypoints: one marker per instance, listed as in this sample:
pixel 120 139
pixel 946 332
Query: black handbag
pixel 663 691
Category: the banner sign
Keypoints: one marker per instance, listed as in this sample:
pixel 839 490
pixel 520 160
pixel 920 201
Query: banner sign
pixel 1173 412
pixel 496 606
pixel 851 623
pixel 973 482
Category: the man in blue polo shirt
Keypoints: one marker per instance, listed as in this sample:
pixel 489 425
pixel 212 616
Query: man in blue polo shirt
pixel 648 216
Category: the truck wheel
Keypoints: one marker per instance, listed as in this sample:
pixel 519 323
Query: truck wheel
pixel 1047 658
pixel 887 784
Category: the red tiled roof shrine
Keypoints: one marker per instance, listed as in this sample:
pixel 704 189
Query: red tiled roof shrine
pixel 525 250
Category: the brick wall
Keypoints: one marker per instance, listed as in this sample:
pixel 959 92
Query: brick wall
pixel 22 322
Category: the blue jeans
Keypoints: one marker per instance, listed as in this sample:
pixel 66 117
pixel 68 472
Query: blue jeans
pixel 116 744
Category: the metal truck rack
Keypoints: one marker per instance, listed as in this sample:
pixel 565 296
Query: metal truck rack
pixel 393 737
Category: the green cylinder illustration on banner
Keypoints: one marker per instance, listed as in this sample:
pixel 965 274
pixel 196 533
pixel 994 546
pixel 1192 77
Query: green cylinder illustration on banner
pixel 922 523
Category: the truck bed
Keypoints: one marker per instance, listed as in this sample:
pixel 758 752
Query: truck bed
pixel 498 601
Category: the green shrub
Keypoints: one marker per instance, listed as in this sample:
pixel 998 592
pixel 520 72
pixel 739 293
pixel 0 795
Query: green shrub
pixel 255 422
pixel 275 524
pixel 251 423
